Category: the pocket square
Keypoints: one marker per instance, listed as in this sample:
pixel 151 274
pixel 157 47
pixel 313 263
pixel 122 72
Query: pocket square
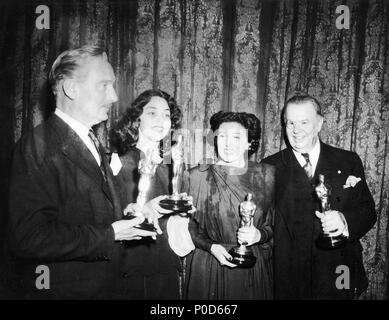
pixel 115 164
pixel 351 182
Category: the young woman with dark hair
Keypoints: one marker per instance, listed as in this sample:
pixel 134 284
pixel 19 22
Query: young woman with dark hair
pixel 150 267
pixel 218 189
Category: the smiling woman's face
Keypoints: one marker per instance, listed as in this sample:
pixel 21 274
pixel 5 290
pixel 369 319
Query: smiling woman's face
pixel 155 121
pixel 232 142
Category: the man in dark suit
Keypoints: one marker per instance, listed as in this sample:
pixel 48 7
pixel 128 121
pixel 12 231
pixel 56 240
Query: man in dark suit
pixel 303 270
pixel 65 215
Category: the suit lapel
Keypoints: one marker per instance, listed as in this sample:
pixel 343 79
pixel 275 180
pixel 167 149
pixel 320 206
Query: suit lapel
pixel 286 187
pixel 335 176
pixel 76 151
pixel 294 181
pixel 324 164
pixel 114 196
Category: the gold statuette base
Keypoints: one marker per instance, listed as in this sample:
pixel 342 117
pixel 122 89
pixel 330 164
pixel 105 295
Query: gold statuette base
pixel 145 225
pixel 242 257
pixel 177 206
pixel 325 241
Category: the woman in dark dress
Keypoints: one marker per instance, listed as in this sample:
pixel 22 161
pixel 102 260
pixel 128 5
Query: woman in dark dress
pixel 218 189
pixel 150 268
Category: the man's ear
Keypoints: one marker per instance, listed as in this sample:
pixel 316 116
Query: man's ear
pixel 320 122
pixel 69 87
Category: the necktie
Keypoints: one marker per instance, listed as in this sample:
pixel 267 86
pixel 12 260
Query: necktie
pixel 307 166
pixel 107 174
pixel 97 144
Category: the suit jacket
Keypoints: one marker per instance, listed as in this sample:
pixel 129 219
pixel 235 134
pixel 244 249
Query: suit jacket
pixel 301 270
pixel 61 211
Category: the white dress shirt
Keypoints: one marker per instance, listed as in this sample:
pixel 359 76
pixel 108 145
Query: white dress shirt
pixel 313 157
pixel 81 130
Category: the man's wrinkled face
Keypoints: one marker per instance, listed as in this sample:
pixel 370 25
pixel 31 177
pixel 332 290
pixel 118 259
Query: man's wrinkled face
pixel 303 125
pixel 96 91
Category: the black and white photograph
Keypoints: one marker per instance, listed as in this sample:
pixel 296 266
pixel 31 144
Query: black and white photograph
pixel 216 151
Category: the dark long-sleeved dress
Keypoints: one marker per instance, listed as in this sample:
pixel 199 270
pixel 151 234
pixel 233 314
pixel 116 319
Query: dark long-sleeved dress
pixel 150 268
pixel 217 192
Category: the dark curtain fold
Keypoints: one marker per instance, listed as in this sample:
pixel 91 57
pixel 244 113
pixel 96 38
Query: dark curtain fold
pixel 241 55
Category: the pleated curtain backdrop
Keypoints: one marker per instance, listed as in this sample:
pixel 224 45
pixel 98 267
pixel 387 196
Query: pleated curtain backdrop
pixel 211 55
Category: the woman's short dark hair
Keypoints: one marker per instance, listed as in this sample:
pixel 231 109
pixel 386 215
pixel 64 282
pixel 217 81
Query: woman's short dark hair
pixel 248 120
pixel 124 135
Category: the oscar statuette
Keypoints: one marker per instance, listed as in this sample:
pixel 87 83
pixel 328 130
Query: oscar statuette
pixel 326 240
pixel 242 255
pixel 146 169
pixel 176 202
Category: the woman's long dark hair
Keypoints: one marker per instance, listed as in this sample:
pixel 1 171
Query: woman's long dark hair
pixel 247 120
pixel 124 135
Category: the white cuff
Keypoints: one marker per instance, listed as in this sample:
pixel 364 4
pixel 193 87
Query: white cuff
pixel 179 237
